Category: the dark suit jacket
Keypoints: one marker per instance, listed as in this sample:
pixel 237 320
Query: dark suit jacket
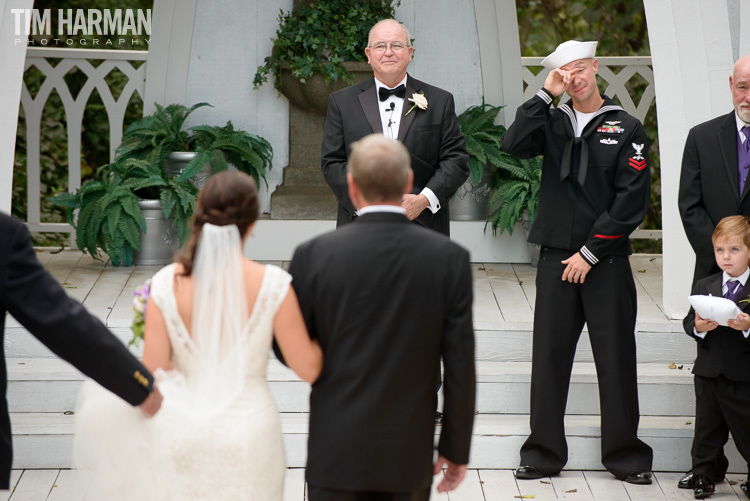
pixel 724 350
pixel 386 298
pixel 437 147
pixel 41 305
pixel 709 187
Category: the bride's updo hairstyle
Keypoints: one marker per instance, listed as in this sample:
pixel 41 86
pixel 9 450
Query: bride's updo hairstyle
pixel 229 197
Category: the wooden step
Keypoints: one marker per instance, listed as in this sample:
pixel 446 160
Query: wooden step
pixel 44 440
pixel 51 385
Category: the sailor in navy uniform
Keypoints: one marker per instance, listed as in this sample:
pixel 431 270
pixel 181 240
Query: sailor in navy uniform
pixel 594 192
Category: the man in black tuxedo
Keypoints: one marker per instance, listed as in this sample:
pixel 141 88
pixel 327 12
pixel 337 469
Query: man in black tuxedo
pixel 715 164
pixel 39 303
pixel 712 181
pixel 387 299
pixel 419 115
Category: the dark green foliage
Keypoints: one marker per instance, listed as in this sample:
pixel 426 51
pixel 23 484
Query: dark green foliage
pixel 477 124
pixel 319 37
pixel 108 215
pixel 156 136
pixel 518 183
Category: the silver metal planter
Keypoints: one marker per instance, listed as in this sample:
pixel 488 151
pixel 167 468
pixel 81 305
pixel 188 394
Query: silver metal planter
pixel 472 203
pixel 160 243
pixel 178 160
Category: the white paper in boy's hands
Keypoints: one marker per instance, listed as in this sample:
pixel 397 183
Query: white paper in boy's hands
pixel 717 308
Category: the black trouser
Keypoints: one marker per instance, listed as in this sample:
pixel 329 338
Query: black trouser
pixel 606 302
pixel 322 494
pixel 721 406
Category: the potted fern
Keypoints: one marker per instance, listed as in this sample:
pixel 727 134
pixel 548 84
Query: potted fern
pixel 110 212
pixel 472 199
pixel 517 195
pixel 200 151
pixel 320 48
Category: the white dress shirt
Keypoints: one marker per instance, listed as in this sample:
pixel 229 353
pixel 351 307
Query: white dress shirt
pixel 725 277
pixel 391 121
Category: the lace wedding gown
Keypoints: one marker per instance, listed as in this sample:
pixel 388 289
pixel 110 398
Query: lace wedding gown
pixel 184 453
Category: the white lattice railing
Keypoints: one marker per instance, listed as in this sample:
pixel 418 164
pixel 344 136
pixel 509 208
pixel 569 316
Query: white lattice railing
pixel 122 61
pixel 615 82
pixel 69 59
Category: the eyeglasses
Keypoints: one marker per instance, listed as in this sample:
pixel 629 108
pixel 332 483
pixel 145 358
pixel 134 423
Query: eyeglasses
pixel 382 46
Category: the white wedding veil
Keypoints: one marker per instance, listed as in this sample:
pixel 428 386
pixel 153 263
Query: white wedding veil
pixel 220 313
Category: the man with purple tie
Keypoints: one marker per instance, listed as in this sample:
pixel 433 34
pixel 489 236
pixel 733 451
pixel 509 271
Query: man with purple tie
pixel 713 185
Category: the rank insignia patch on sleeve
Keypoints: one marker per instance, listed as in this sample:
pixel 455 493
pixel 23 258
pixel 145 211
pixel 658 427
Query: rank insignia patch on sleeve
pixel 638 161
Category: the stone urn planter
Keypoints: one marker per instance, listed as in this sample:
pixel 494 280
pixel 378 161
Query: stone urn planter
pixel 160 243
pixel 312 95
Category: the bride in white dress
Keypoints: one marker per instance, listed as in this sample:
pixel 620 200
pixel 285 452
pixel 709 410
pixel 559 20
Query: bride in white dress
pixel 209 327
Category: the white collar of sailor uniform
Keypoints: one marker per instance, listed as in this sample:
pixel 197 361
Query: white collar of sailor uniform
pixel 568 110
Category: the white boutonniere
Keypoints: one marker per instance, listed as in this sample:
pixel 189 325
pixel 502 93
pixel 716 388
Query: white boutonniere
pixel 419 101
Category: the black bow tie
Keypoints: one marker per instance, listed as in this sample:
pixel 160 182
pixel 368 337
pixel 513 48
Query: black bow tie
pixel 399 91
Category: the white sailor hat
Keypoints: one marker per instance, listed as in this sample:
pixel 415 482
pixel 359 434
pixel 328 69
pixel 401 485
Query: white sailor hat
pixel 572 50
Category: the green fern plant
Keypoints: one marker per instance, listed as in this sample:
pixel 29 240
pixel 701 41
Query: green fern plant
pixel 518 182
pixel 108 216
pixel 156 136
pixel 483 137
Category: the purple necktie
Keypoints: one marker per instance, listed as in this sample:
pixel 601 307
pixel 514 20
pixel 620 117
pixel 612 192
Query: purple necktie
pixel 734 288
pixel 743 156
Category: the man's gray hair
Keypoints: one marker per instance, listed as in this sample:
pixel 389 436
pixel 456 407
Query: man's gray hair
pixel 380 168
pixel 369 35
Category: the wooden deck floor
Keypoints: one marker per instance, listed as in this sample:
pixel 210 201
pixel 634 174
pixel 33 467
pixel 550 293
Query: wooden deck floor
pixel 480 485
pixel 504 294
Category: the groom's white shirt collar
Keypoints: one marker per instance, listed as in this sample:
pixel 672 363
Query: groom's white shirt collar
pixel 381 208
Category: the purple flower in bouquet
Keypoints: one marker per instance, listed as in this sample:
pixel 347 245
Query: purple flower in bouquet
pixel 140 300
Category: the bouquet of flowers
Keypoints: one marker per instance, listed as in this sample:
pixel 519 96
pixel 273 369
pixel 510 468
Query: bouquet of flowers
pixel 140 300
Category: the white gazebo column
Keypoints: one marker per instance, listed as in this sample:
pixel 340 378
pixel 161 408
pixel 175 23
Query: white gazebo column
pixel 500 54
pixel 169 53
pixel 691 51
pixel 12 58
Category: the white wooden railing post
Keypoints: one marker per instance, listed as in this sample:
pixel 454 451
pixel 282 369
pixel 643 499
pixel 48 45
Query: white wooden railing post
pixel 12 55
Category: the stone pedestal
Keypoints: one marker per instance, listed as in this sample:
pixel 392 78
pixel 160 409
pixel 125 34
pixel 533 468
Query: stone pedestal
pixel 304 193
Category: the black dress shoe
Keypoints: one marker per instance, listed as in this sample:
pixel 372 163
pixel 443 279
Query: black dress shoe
pixel 686 482
pixel 745 487
pixel 638 477
pixel 702 487
pixel 528 473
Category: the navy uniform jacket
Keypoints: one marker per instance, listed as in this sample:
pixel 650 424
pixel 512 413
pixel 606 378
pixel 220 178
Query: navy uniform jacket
pixel 595 189
pixel 724 351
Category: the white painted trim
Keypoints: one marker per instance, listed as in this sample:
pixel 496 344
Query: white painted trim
pixel 275 240
pixel 12 57
pixel 744 23
pixel 169 53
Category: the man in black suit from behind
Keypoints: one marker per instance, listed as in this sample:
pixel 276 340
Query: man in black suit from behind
pixel 39 303
pixel 387 299
pixel 421 116
pixel 715 164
